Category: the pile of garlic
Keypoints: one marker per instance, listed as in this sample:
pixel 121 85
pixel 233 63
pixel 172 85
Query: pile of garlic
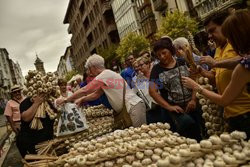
pixel 212 113
pixel 140 146
pixel 37 83
pixel 100 121
pixel 218 151
pixel 155 145
pixel 97 111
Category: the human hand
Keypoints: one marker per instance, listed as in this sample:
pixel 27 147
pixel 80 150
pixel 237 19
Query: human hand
pixel 177 109
pixel 208 60
pixel 189 83
pixel 39 99
pixel 60 101
pixel 79 102
pixel 191 106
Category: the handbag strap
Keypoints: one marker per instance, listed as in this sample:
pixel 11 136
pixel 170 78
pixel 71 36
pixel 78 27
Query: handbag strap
pixel 124 92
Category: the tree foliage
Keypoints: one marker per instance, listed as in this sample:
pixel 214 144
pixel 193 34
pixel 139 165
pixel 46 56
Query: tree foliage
pixel 70 74
pixel 132 43
pixel 108 53
pixel 177 24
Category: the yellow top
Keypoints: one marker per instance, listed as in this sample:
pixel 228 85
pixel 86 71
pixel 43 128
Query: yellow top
pixel 241 104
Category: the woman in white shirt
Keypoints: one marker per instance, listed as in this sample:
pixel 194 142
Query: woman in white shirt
pixel 142 88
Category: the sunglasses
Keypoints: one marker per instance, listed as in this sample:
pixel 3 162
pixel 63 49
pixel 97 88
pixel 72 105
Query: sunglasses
pixel 16 92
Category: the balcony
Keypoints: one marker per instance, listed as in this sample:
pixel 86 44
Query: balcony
pixel 160 5
pixel 205 8
pixel 106 6
pixel 144 5
pixel 146 16
pixel 111 27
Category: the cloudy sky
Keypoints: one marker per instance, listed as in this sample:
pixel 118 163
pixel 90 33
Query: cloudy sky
pixel 30 26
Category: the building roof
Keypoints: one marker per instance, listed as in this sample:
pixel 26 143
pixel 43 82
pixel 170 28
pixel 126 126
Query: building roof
pixel 65 20
pixel 5 50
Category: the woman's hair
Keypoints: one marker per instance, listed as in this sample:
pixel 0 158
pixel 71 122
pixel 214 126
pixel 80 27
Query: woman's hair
pixel 180 42
pixel 164 43
pixel 145 60
pixel 61 82
pixel 143 53
pixel 236 29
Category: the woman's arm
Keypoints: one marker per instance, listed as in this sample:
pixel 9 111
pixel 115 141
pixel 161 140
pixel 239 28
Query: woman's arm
pixel 239 79
pixel 29 114
pixel 228 63
pixel 159 99
pixel 91 97
pixel 90 88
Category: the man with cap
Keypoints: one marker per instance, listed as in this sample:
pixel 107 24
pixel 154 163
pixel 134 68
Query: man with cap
pixel 12 111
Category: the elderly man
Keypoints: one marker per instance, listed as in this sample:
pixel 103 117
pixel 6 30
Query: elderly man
pixel 12 111
pixel 114 86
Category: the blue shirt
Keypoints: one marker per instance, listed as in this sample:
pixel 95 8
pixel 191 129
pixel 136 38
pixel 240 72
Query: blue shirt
pixel 102 100
pixel 197 61
pixel 128 73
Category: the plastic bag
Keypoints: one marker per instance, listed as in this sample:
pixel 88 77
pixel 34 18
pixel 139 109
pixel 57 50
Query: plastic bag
pixel 72 120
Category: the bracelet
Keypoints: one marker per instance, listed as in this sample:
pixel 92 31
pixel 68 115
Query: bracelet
pixel 200 89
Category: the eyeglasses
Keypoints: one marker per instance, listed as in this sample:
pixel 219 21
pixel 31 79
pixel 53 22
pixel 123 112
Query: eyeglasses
pixel 140 65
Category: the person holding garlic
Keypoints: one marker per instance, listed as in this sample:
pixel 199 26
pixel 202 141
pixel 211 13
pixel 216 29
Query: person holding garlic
pixel 238 36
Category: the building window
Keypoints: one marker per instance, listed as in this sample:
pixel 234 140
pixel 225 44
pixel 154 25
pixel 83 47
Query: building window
pixel 90 39
pixel 86 24
pixel 82 8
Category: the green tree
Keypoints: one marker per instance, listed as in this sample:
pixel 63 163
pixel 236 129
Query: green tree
pixel 70 74
pixel 132 43
pixel 109 53
pixel 177 24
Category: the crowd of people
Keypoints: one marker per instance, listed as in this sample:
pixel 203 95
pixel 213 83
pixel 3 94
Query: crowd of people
pixel 158 86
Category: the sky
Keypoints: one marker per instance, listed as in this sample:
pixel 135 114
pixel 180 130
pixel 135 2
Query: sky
pixel 30 26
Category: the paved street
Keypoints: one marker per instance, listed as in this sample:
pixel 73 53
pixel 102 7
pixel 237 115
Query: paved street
pixel 2 120
pixel 13 158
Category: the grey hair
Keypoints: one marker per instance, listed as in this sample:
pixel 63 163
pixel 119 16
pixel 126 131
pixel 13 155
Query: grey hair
pixel 180 42
pixel 95 60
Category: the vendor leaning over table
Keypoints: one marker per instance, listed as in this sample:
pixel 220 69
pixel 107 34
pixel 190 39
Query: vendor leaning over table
pixel 27 138
pixel 112 84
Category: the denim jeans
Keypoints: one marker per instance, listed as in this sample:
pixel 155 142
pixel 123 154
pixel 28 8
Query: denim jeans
pixel 186 124
pixel 154 115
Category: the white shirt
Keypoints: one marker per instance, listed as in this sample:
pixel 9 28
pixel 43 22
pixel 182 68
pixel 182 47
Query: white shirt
pixel 114 90
pixel 142 89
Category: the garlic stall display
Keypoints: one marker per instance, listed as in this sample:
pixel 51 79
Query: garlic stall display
pixel 212 113
pixel 155 145
pixel 100 121
pixel 37 83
